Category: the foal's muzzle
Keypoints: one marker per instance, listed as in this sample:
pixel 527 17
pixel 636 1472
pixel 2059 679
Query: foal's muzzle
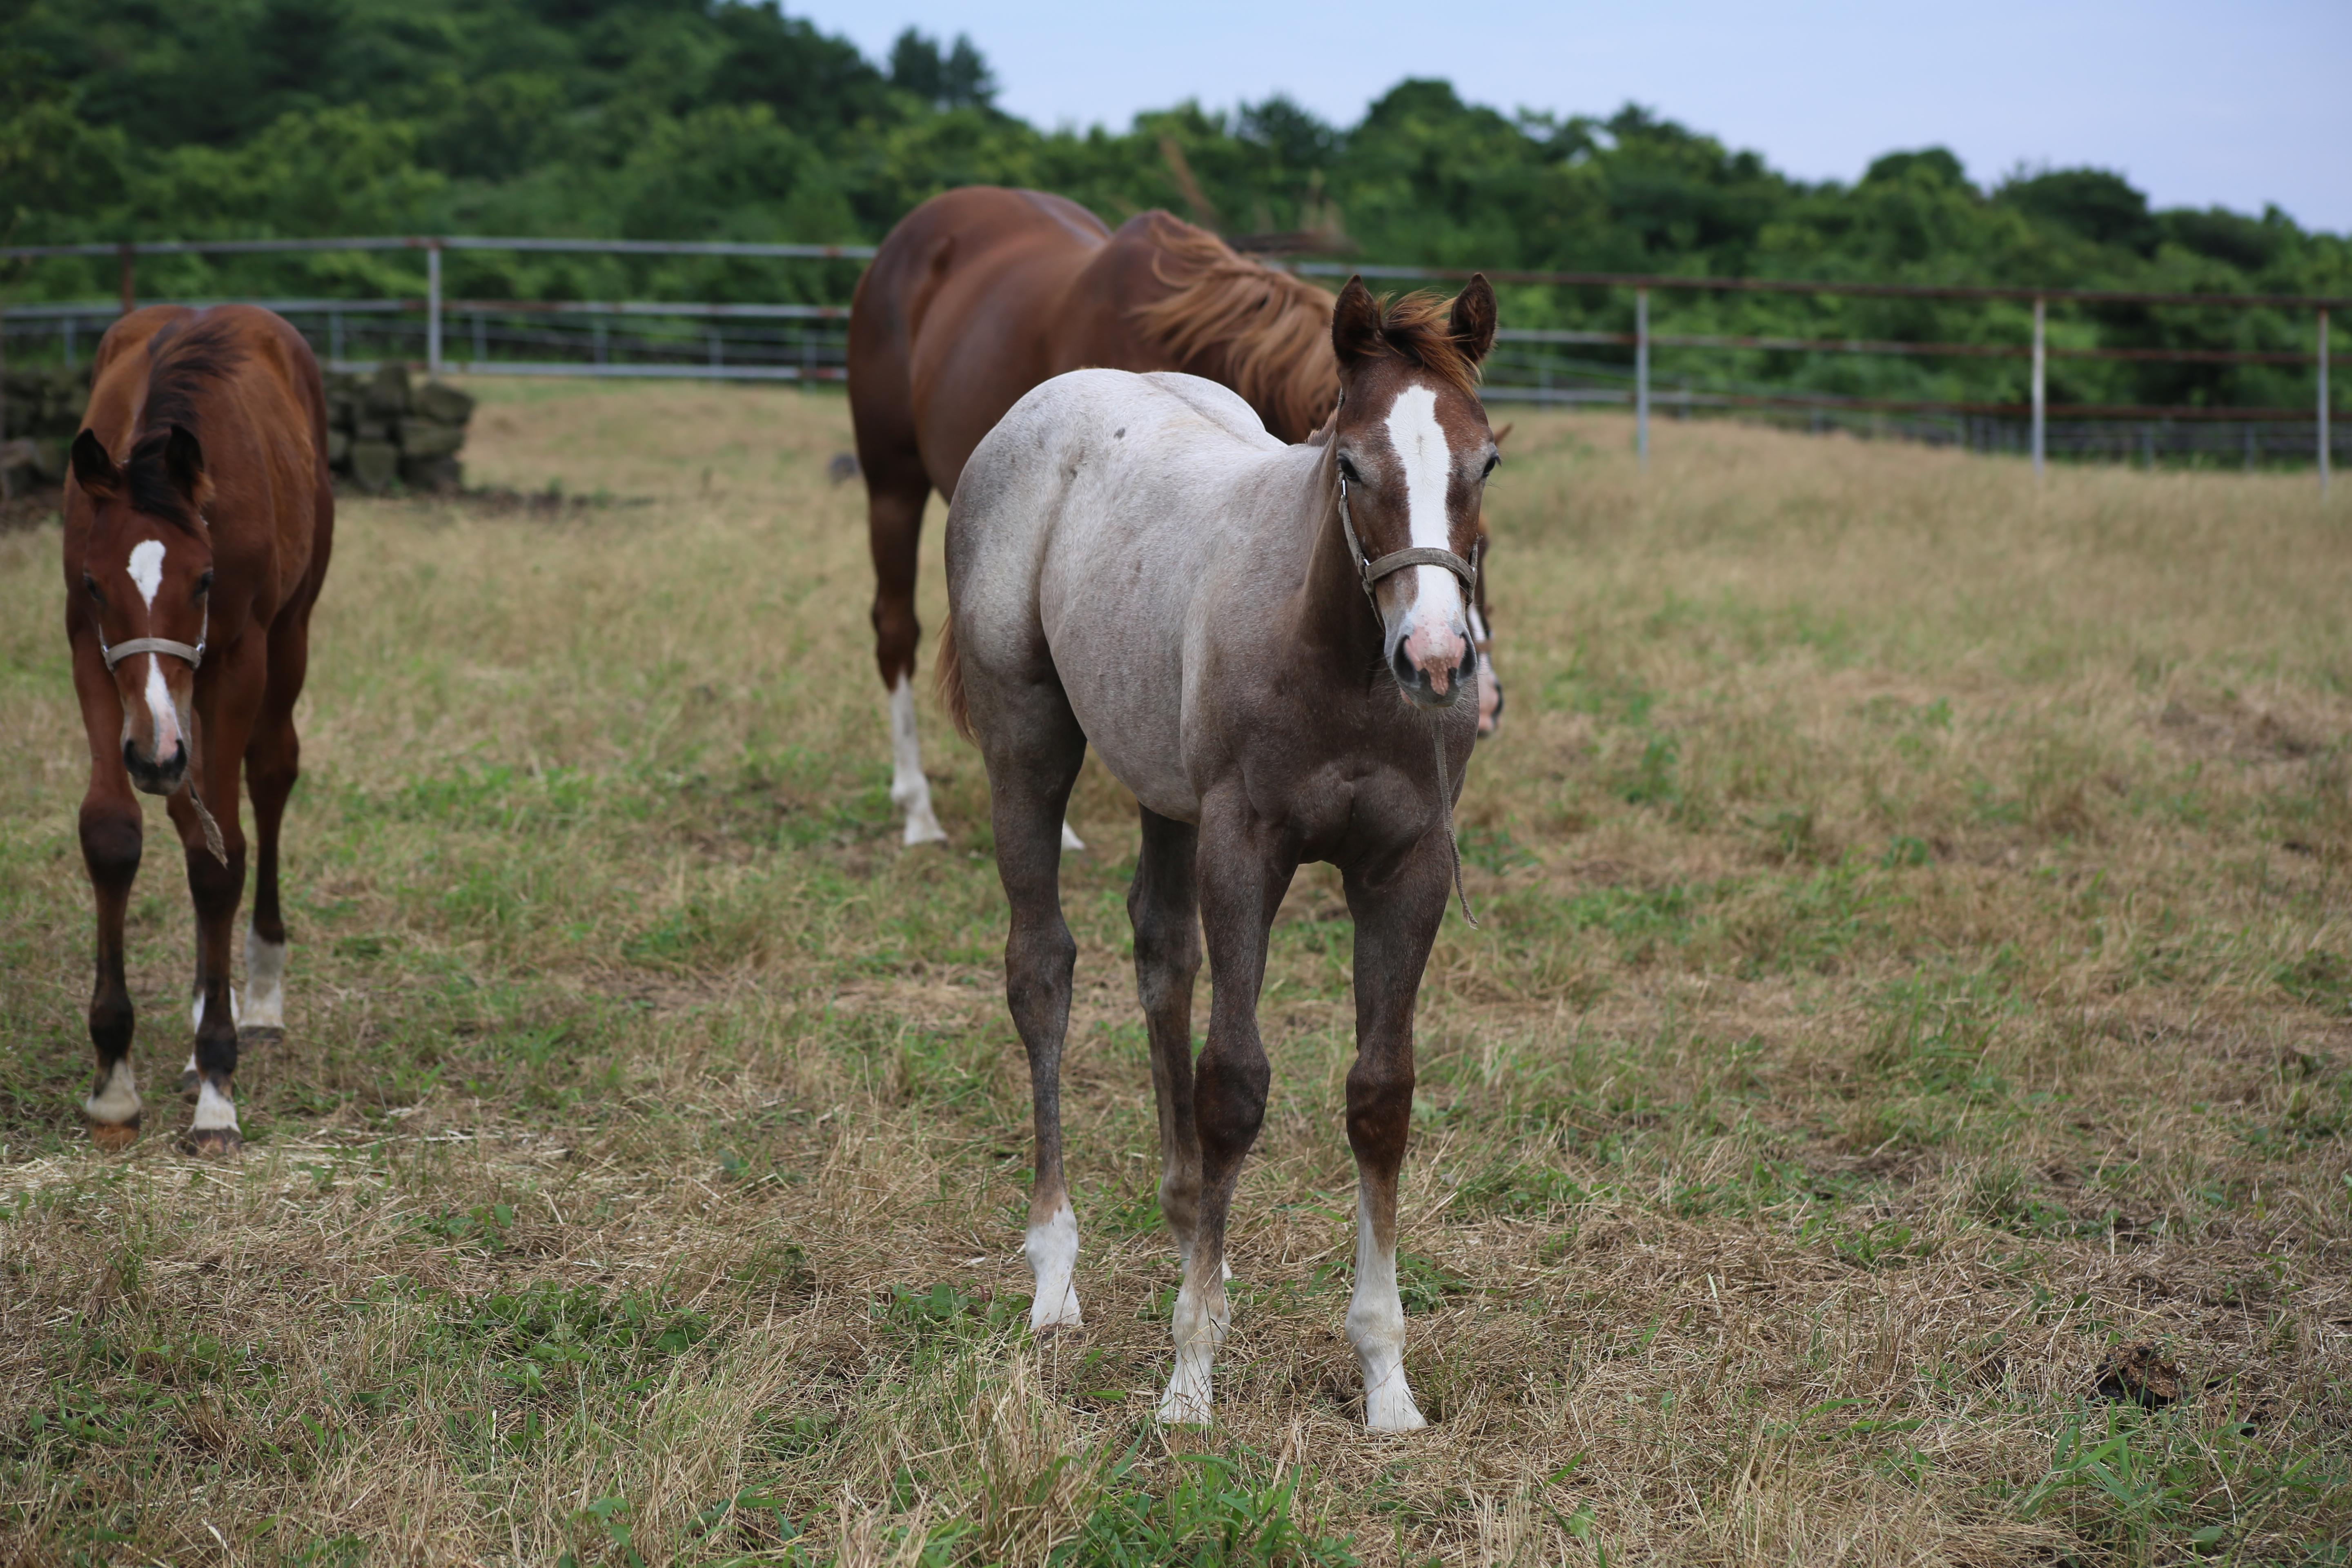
pixel 1420 683
pixel 153 776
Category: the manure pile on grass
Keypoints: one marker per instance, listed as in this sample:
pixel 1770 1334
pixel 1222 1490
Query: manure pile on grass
pixel 1897 1110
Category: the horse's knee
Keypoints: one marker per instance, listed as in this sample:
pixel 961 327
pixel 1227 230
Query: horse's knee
pixel 1380 1109
pixel 110 844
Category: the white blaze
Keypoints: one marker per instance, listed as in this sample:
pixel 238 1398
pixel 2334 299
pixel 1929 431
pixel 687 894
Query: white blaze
pixel 147 568
pixel 1052 1249
pixel 159 709
pixel 1419 442
pixel 1376 1328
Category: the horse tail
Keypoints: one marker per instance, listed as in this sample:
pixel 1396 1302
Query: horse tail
pixel 950 676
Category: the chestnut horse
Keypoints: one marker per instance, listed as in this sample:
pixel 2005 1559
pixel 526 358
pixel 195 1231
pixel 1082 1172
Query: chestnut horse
pixel 981 294
pixel 199 516
pixel 1269 645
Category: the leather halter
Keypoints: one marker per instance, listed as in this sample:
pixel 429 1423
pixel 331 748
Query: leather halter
pixel 1395 561
pixel 123 650
pixel 1369 572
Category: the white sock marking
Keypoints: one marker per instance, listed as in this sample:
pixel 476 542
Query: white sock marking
pixel 265 982
pixel 1052 1249
pixel 1200 1327
pixel 909 789
pixel 116 1105
pixel 192 1064
pixel 147 568
pixel 196 1014
pixel 1376 1328
pixel 214 1110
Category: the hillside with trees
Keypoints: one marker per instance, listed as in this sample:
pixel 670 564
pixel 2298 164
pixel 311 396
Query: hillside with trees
pixel 721 120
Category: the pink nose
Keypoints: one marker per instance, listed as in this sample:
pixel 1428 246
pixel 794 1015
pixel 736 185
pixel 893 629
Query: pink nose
pixel 1436 652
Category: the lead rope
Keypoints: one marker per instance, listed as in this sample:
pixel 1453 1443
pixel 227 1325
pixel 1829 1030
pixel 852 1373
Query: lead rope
pixel 196 766
pixel 1445 812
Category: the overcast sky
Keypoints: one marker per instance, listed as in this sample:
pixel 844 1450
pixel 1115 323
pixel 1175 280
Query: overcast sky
pixel 2238 105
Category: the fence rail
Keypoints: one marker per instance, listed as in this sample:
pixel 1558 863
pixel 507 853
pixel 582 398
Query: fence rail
pixel 653 345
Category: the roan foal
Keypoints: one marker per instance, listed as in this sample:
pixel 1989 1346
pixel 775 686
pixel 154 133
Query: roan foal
pixel 198 521
pixel 1271 647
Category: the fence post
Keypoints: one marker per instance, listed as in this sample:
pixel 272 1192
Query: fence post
pixel 2041 386
pixel 433 307
pixel 1642 377
pixel 2323 454
pixel 130 292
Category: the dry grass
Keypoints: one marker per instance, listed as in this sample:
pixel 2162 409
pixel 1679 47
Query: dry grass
pixel 1919 960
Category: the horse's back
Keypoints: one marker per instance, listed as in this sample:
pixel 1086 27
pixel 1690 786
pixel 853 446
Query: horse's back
pixel 1092 525
pixel 953 320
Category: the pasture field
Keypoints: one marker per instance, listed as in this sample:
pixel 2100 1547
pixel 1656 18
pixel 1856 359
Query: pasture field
pixel 1898 1107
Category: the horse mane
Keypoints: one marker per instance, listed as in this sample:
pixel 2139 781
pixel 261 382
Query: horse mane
pixel 183 361
pixel 1419 327
pixel 1269 332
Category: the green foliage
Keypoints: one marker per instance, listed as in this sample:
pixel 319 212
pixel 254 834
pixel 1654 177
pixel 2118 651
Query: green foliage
pixel 728 119
pixel 1215 1516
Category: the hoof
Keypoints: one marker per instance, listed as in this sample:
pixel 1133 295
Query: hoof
pixel 114 1137
pixel 188 1081
pixel 1064 1330
pixel 215 1142
pixel 259 1034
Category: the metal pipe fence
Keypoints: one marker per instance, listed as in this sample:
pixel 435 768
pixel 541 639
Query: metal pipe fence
pixel 701 339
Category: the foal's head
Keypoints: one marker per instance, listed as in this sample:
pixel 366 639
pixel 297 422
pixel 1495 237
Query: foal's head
pixel 146 574
pixel 1413 449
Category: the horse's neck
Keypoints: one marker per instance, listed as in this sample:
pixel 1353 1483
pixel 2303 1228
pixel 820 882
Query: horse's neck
pixel 1329 608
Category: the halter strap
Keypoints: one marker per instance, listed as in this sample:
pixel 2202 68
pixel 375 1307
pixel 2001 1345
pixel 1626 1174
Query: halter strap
pixel 1395 561
pixel 123 650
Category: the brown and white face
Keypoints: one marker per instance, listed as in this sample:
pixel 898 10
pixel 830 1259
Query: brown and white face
pixel 147 572
pixel 1412 443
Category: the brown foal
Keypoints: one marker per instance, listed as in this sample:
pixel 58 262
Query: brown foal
pixel 1271 645
pixel 198 521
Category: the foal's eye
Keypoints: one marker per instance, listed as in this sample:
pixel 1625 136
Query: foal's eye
pixel 89 586
pixel 205 582
pixel 1348 470
pixel 1493 458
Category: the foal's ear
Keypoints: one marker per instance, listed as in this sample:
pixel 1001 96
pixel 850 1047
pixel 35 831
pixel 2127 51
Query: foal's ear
pixel 1354 324
pixel 183 465
pixel 93 469
pixel 1473 321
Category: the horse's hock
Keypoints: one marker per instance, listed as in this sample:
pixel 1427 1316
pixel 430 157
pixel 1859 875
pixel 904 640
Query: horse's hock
pixel 383 431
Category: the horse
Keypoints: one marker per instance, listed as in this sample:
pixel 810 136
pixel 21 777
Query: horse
pixel 1269 645
pixel 198 520
pixel 981 294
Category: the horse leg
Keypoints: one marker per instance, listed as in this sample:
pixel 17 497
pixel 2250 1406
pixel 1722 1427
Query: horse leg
pixel 273 758
pixel 1163 905
pixel 1241 876
pixel 113 833
pixel 216 889
pixel 897 489
pixel 1396 920
pixel 1028 788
